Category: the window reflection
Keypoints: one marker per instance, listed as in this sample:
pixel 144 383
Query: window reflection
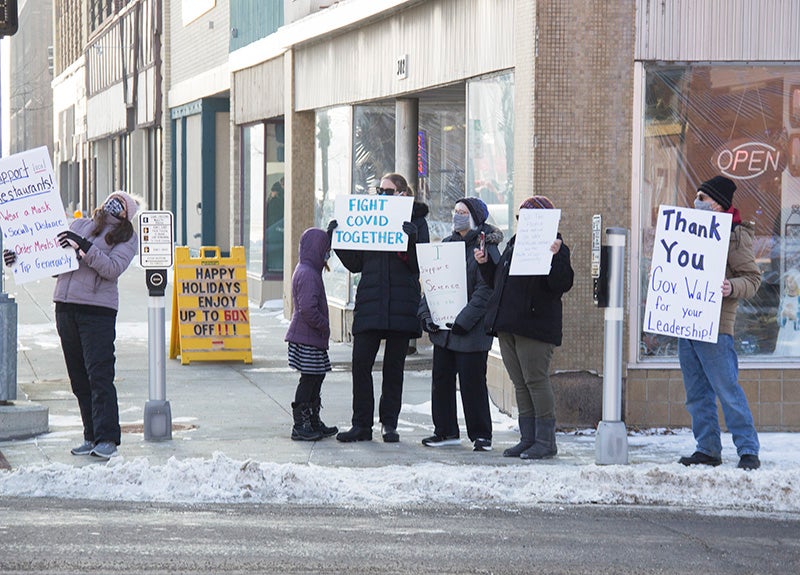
pixel 733 120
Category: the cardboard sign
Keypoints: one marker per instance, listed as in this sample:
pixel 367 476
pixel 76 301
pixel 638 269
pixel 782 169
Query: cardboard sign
pixel 371 223
pixel 684 289
pixel 443 275
pixel 536 232
pixel 32 215
pixel 210 310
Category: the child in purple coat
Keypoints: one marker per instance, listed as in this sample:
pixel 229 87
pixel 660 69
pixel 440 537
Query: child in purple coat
pixel 308 335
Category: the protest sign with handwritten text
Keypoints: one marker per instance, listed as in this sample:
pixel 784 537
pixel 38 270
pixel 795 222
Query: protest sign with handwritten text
pixel 684 290
pixel 536 232
pixel 32 215
pixel 443 274
pixel 371 223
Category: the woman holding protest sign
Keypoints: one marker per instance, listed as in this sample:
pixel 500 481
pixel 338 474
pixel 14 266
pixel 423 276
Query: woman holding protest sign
pixel 385 310
pixel 525 313
pixel 463 348
pixel 87 300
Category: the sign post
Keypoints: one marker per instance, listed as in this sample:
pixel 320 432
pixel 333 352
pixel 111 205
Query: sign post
pixel 155 255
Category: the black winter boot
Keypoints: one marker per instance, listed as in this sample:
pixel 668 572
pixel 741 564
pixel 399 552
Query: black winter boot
pixel 316 422
pixel 545 445
pixel 302 430
pixel 527 432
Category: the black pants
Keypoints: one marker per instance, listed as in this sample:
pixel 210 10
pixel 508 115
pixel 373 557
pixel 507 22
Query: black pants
pixel 309 387
pixel 87 341
pixel 365 349
pixel 471 370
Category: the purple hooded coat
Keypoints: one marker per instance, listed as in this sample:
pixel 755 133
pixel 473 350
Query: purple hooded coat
pixel 310 325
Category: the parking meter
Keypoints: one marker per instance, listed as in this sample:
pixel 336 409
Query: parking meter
pixel 156 255
pixel 611 443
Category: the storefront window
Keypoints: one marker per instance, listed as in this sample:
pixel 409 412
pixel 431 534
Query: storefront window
pixel 735 120
pixel 332 153
pixel 275 184
pixel 490 156
pixel 373 145
pixel 262 155
pixel 253 170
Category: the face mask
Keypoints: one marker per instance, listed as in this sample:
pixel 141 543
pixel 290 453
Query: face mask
pixel 701 205
pixel 460 222
pixel 113 207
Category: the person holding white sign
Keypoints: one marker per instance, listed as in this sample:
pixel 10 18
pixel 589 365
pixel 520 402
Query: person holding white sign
pixel 385 310
pixel 462 350
pixel 711 370
pixel 87 300
pixel 525 313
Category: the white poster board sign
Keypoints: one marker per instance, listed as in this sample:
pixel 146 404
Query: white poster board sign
pixel 371 223
pixel 443 275
pixel 536 232
pixel 32 215
pixel 684 289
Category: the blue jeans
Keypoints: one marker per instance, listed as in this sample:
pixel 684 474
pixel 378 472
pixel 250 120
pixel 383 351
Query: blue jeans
pixel 711 372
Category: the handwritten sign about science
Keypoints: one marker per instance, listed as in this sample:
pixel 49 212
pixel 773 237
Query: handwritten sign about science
pixel 32 215
pixel 443 275
pixel 210 309
pixel 371 223
pixel 536 232
pixel 684 290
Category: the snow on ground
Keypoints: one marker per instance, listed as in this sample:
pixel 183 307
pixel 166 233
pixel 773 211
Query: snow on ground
pixel 774 488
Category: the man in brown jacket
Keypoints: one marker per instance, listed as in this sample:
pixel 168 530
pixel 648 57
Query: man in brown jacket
pixel 711 370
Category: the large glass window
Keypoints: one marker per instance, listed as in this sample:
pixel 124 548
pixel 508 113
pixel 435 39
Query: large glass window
pixel 734 120
pixel 253 172
pixel 332 164
pixel 262 153
pixel 490 156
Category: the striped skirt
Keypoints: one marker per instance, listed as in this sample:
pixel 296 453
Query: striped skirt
pixel 308 359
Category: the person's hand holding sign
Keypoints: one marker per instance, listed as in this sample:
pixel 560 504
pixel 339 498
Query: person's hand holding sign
pixel 9 258
pixel 69 239
pixel 556 246
pixel 727 288
pixel 411 231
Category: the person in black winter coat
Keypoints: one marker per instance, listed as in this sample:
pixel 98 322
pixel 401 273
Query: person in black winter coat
pixel 464 348
pixel 526 315
pixel 387 300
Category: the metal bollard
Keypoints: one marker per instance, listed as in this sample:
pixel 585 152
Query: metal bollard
pixel 611 443
pixel 8 348
pixel 157 411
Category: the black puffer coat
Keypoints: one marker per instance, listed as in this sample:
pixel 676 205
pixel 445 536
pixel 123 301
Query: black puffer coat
pixel 388 292
pixel 471 317
pixel 529 306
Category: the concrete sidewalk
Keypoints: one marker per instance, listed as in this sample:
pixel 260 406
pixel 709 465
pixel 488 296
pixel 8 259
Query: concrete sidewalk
pixel 240 410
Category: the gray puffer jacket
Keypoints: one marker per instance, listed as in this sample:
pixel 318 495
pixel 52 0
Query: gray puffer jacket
pixel 95 280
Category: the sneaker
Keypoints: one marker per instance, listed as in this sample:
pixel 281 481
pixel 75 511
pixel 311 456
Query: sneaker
pixel 105 450
pixel 482 445
pixel 698 458
pixel 389 434
pixel 441 440
pixel 749 462
pixel 84 448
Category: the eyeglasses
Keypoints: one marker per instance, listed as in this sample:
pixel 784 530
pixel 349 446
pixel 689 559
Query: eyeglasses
pixel 461 212
pixel 385 191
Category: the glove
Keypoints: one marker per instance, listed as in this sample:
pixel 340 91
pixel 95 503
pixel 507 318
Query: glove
pixel 70 239
pixel 429 326
pixel 9 258
pixel 410 230
pixel 332 225
pixel 456 328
